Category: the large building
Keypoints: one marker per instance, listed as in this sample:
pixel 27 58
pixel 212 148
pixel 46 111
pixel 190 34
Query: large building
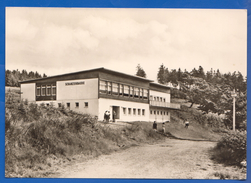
pixel 95 91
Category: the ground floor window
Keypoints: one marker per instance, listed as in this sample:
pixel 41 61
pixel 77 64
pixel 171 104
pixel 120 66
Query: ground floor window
pixel 129 111
pixel 68 105
pixel 86 104
pixel 77 104
pixel 124 110
pixel 143 112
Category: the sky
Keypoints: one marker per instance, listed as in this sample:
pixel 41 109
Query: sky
pixel 63 40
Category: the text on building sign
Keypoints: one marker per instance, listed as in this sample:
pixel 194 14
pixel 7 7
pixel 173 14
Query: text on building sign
pixel 75 83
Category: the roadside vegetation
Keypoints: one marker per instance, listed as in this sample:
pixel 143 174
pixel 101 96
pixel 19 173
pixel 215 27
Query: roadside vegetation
pixel 39 137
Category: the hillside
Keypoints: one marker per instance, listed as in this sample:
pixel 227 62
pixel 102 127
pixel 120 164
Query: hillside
pixel 39 137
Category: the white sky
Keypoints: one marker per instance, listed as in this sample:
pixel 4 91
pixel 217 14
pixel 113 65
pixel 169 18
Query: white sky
pixel 62 40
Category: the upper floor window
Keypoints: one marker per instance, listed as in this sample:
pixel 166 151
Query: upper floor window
pixel 38 90
pixel 54 89
pixel 109 87
pixel 164 100
pixel 121 89
pixel 48 88
pixel 103 86
pixel 141 93
pixel 115 88
pixel 145 95
pixel 131 91
pixel 136 92
pixel 126 90
pixel 143 112
pixel 43 90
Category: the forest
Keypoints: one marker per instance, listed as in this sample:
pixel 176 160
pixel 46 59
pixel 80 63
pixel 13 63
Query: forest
pixel 12 78
pixel 210 90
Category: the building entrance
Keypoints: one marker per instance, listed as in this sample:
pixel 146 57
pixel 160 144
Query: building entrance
pixel 115 112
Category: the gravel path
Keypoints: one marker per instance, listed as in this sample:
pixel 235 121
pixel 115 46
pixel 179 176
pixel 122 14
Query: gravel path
pixel 172 159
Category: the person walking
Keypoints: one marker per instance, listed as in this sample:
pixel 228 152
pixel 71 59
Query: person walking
pixel 155 126
pixel 186 123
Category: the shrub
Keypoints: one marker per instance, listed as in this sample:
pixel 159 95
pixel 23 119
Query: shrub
pixel 231 149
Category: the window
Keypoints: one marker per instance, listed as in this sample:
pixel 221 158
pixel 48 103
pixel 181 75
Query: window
pixel 154 98
pixel 134 111
pixel 124 110
pixel 48 90
pixel 47 104
pixel 143 112
pixel 160 112
pixel 151 112
pixel 43 90
pixel 141 92
pixel 145 94
pixel 129 111
pixel 86 104
pixel 164 100
pixel 131 91
pixel 68 105
pixel 121 90
pixel 59 105
pixel 157 98
pixel 164 113
pixel 38 90
pixel 139 111
pixel 115 88
pixel 77 104
pixel 109 88
pixel 102 86
pixel 157 112
pixel 54 89
pixel 154 112
pixel 160 99
pixel 136 92
pixel 126 90
pixel 151 97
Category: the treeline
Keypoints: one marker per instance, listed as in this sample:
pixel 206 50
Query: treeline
pixel 234 80
pixel 212 91
pixel 12 78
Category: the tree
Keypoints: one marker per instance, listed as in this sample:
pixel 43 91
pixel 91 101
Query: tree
pixel 201 72
pixel 161 75
pixel 140 71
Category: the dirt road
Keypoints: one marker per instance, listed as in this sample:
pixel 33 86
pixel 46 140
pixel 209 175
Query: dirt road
pixel 172 159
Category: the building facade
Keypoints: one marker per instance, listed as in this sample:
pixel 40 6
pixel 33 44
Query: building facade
pixel 95 91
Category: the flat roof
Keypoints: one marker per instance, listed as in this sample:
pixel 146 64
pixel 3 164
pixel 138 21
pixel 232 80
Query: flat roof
pixel 90 70
pixel 159 85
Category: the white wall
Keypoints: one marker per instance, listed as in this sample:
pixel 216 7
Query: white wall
pixel 89 90
pixel 160 94
pixel 28 92
pixel 106 104
pixel 159 118
pixel 91 109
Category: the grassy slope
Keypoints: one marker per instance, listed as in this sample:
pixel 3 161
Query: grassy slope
pixel 35 145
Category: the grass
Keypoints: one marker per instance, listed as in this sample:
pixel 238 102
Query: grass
pixel 40 137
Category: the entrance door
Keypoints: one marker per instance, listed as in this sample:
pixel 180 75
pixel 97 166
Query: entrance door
pixel 115 112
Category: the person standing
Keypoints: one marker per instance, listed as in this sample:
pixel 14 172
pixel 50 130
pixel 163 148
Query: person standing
pixel 155 126
pixel 113 116
pixel 163 127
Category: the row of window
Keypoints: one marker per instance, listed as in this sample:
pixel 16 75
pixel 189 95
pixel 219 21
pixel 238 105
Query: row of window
pixel 46 90
pixel 68 105
pixel 156 98
pixel 111 88
pixel 158 112
pixel 133 111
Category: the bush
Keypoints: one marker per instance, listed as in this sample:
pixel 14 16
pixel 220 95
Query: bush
pixel 231 149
